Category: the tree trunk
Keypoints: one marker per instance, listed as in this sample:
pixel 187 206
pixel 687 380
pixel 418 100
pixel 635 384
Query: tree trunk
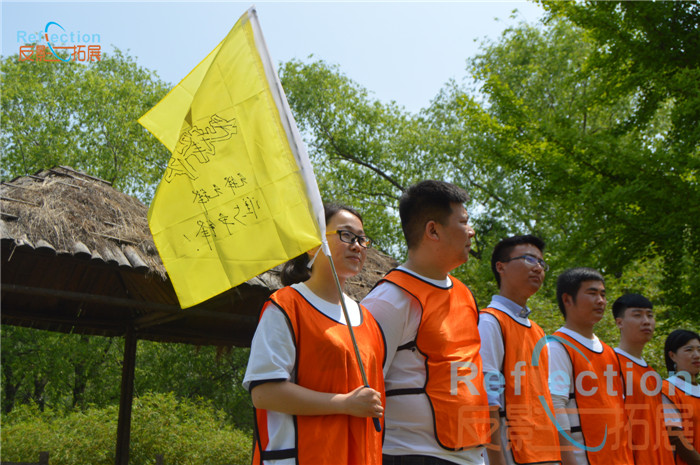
pixel 9 389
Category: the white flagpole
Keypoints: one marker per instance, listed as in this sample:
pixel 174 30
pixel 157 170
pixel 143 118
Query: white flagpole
pixel 375 420
pixel 307 173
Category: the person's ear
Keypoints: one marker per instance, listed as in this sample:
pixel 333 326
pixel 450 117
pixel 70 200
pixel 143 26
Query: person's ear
pixel 672 356
pixel 567 299
pixel 500 266
pixel 618 323
pixel 431 230
pixel 312 252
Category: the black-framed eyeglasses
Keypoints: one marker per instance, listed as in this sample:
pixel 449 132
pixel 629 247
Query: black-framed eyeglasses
pixel 530 260
pixel 350 237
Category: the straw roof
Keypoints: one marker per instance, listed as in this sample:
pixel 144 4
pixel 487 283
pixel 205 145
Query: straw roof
pixel 77 256
pixel 68 212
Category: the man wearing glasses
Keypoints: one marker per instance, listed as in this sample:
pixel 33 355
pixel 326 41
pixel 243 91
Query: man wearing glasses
pixel 515 369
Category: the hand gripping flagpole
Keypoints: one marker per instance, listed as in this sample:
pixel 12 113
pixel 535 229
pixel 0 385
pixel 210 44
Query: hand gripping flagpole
pixel 326 250
pixel 306 172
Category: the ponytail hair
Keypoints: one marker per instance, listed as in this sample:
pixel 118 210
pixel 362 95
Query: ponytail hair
pixel 297 269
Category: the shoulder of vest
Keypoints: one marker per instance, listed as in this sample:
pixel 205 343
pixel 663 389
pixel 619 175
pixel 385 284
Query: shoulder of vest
pixel 667 384
pixel 285 307
pixel 609 350
pixel 568 338
pixel 620 358
pixel 383 279
pixel 289 299
pixel 406 274
pixel 284 297
pixel 496 312
pixel 282 293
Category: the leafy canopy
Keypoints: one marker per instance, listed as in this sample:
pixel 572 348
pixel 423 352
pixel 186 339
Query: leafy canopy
pixel 83 116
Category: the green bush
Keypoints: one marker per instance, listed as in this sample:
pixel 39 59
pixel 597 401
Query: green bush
pixel 185 432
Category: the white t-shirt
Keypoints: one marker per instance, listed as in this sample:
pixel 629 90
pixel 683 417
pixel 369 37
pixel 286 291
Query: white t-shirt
pixel 561 385
pixel 492 349
pixel 408 419
pixel 273 356
pixel 492 355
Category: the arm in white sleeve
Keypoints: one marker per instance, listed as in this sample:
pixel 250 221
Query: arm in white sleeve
pixel 672 417
pixel 560 376
pixel 391 308
pixel 492 354
pixel 272 352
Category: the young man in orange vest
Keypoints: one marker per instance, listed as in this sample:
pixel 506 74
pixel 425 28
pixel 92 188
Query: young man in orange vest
pixel 634 317
pixel 584 377
pixel 515 368
pixel 436 409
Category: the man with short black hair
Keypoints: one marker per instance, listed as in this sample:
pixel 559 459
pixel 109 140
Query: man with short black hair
pixel 585 382
pixel 634 317
pixel 436 409
pixel 516 369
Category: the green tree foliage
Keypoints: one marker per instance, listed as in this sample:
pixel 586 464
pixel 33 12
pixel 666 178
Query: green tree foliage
pixel 545 141
pixel 191 372
pixel 183 431
pixel 367 153
pixel 66 371
pixel 83 116
pixel 613 193
pixel 650 50
pixel 58 370
pixel 357 144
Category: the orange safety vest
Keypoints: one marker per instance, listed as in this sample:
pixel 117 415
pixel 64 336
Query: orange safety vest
pixel 449 340
pixel 648 438
pixel 601 413
pixel 326 363
pixel 689 408
pixel 532 434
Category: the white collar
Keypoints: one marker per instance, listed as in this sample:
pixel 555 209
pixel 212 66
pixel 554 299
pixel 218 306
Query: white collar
pixel 443 283
pixel 683 385
pixel 591 344
pixel 638 361
pixel 512 309
pixel 331 310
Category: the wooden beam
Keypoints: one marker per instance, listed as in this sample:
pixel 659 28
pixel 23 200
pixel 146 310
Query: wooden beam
pixel 126 400
pixel 126 303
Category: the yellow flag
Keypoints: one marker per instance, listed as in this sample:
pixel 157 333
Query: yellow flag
pixel 238 196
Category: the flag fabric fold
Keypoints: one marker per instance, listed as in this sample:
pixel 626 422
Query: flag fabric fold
pixel 238 196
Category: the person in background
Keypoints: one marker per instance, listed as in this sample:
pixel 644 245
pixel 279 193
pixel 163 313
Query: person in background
pixel 682 394
pixel 310 403
pixel 436 410
pixel 585 382
pixel 634 317
pixel 523 433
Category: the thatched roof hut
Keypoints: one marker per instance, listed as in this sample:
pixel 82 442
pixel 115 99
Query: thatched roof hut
pixel 78 257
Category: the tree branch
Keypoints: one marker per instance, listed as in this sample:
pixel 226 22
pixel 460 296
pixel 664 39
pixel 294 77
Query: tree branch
pixel 357 161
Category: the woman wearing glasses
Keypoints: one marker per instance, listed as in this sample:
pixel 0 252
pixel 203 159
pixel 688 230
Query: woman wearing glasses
pixel 311 405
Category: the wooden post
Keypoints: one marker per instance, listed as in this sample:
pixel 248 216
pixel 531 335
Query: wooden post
pixel 127 394
pixel 43 458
